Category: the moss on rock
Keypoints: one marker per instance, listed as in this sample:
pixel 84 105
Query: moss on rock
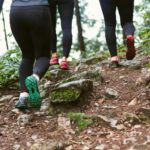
pixel 65 95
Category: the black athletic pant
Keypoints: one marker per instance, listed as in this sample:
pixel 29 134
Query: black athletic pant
pixel 1 4
pixel 125 8
pixel 65 8
pixel 31 27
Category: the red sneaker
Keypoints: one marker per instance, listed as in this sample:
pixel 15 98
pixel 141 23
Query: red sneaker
pixel 54 61
pixel 64 65
pixel 131 52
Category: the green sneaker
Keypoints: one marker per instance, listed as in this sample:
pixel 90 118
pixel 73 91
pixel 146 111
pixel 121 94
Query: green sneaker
pixel 34 95
pixel 22 103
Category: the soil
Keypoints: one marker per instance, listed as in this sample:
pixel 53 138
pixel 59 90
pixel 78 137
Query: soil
pixel 45 127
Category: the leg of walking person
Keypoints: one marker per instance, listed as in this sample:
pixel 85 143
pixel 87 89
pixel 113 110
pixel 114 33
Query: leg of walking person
pixel 34 40
pixel 53 10
pixel 66 9
pixel 126 16
pixel 40 32
pixel 109 12
pixel 41 37
pixel 20 31
pixel 1 5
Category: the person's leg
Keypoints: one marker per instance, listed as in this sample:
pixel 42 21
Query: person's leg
pixel 40 33
pixel 22 36
pixel 66 9
pixel 109 12
pixel 1 5
pixel 53 10
pixel 126 16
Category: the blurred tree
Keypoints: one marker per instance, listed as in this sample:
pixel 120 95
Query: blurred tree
pixel 144 30
pixel 79 26
pixel 5 33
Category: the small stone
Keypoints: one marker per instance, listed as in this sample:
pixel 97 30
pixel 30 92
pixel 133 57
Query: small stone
pixel 5 98
pixel 45 105
pixel 96 104
pixel 100 101
pixel 121 77
pixel 28 144
pixel 120 127
pixel 137 126
pixel 64 122
pixel 23 119
pixel 131 118
pixel 16 147
pixel 16 111
pixel 109 107
pixel 129 140
pixel 85 148
pixel 142 147
pixel 139 82
pixel 69 148
pixel 34 137
pixel 111 93
pixel 133 102
pixel 47 84
pixel 116 147
pixel 41 113
pixel 100 147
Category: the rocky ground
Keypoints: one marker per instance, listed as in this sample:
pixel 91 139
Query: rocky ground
pixel 110 111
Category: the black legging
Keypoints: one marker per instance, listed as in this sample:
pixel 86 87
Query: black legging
pixel 125 8
pixel 31 27
pixel 65 8
pixel 1 4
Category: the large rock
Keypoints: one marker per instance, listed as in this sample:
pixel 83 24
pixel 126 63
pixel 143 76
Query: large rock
pixel 56 74
pixel 134 64
pixel 93 60
pixel 71 91
pixel 83 120
pixel 93 75
pixel 49 145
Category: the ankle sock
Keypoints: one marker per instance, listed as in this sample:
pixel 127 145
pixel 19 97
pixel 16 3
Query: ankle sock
pixel 24 94
pixel 36 77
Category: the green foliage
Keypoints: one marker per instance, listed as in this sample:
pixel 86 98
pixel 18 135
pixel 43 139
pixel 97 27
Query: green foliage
pixel 80 119
pixel 144 33
pixel 9 64
pixel 148 65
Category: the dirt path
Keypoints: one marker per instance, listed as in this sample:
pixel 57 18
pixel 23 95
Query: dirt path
pixel 132 95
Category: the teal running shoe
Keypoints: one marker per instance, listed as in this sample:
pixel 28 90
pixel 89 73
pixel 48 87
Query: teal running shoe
pixel 34 95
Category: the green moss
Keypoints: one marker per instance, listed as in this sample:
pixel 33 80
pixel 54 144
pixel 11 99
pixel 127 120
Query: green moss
pixel 93 75
pixel 48 75
pixel 148 65
pixel 65 95
pixel 105 55
pixel 81 120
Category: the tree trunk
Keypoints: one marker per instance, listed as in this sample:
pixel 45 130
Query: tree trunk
pixel 5 33
pixel 79 25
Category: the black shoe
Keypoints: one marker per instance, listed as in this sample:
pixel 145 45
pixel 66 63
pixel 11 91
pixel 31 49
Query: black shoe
pixel 22 103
